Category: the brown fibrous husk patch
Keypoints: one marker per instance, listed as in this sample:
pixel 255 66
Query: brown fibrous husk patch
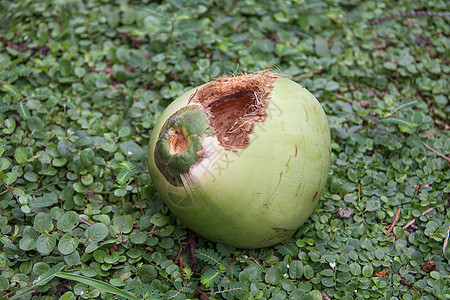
pixel 235 104
pixel 177 142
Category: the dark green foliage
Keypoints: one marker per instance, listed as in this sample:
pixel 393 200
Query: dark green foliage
pixel 82 83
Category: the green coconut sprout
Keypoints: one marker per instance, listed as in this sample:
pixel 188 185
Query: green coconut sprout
pixel 242 160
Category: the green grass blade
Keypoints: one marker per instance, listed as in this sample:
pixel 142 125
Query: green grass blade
pixel 50 274
pixel 98 285
pixel 43 279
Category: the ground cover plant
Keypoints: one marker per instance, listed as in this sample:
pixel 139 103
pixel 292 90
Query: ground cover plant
pixel 83 82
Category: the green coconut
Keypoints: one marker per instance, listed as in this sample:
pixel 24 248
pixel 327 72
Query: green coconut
pixel 242 160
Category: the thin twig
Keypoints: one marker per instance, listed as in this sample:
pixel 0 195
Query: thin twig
pixel 44 187
pixel 257 262
pixel 179 291
pixel 86 221
pixel 8 189
pixel 408 224
pixel 316 71
pixel 440 154
pixel 428 210
pixel 395 222
pixel 413 220
pixel 65 119
pixel 446 240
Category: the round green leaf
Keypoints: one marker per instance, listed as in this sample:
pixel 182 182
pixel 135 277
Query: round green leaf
pixel 123 224
pixel 147 273
pixel 80 72
pixel 99 255
pixel 96 232
pixel 26 267
pixel 435 275
pixel 59 162
pixel 134 253
pixel 35 123
pixel 367 270
pixel 108 147
pixel 68 296
pixel 72 259
pixel 296 269
pixel 28 241
pixel 166 243
pixel 67 244
pixel 113 18
pixel 124 131
pixel 287 285
pixel 45 244
pixel 332 86
pixel 111 259
pixel 273 276
pixel 159 220
pixel 4 283
pixel 68 221
pixel 254 272
pixel 138 237
pixel 96 187
pixel 128 17
pixel 10 178
pixel 91 247
pixel 316 295
pixel 30 176
pixel 4 163
pixel 120 192
pixel 43 222
pixel 133 150
pixel 80 188
pixel 40 268
pixel 25 209
pixel 87 157
pixel 64 148
pixel 308 272
pixel 355 269
pixel 117 282
pixel 87 179
pixel 328 282
pixel 88 271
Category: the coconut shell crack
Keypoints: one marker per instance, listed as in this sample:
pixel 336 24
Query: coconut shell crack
pixel 234 105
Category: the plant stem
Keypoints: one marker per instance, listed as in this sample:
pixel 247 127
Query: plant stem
pixel 434 151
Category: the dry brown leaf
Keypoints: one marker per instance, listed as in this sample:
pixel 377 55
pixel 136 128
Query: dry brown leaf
pixel 381 273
